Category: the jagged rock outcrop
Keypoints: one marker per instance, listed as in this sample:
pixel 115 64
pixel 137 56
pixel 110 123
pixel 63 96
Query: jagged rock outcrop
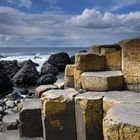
pixel 27 75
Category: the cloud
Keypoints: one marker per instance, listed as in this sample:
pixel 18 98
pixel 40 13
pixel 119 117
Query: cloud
pixel 94 19
pixel 18 28
pixel 21 3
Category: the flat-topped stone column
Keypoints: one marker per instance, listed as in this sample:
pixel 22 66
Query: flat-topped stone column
pixel 89 115
pixel 89 62
pixel 30 119
pixel 131 63
pixel 58 115
pixel 122 122
pixel 69 76
pixel 102 81
pixel 118 97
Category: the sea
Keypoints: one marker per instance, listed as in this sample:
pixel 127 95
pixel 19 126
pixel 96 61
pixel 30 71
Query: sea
pixel 38 55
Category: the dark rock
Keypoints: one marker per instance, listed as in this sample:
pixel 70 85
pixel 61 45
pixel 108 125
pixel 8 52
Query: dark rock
pixel 11 67
pixel 60 60
pixel 30 119
pixel 47 79
pixel 82 51
pixel 27 75
pixel 72 59
pixel 49 68
pixel 5 82
pixel 21 64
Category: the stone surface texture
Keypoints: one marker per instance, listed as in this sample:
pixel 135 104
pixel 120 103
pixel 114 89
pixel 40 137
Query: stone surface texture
pixel 102 81
pixel 89 62
pixel 89 115
pixel 30 119
pixel 59 115
pixel 131 64
pixel 122 122
pixel 69 76
pixel 118 97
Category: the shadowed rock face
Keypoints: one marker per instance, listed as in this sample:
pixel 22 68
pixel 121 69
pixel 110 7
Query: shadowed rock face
pixel 49 68
pixel 27 75
pixel 60 60
pixel 11 67
pixel 5 81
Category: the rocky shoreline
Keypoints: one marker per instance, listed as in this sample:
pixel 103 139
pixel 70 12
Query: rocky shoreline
pixel 97 98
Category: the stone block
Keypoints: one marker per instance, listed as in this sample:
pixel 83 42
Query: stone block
pixel 39 90
pixel 69 70
pixel 113 60
pixel 89 115
pixel 69 76
pixel 89 62
pixel 77 79
pixel 102 81
pixel 122 122
pixel 30 119
pixel 130 60
pixel 118 97
pixel 59 115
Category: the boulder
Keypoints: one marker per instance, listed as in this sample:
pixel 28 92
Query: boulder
pixel 60 60
pixel 43 88
pixel 30 119
pixel 49 68
pixel 11 67
pixel 59 84
pixel 69 76
pixel 20 64
pixel 89 62
pixel 118 97
pixel 102 81
pixel 59 115
pixel 72 59
pixel 5 81
pixel 46 79
pixel 89 115
pixel 27 75
pixel 122 122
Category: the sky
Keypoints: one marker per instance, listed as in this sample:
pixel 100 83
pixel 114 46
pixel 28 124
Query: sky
pixel 67 23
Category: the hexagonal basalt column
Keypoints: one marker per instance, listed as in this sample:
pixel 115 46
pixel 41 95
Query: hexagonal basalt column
pixel 122 122
pixel 69 75
pixel 30 119
pixel 89 115
pixel 102 81
pixel 59 115
pixel 89 62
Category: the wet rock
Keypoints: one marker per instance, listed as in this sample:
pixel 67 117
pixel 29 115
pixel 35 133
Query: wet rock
pixel 30 119
pixel 60 60
pixel 43 88
pixel 5 82
pixel 21 64
pixel 27 75
pixel 46 79
pixel 11 67
pixel 10 122
pixel 10 103
pixel 49 68
pixel 72 59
